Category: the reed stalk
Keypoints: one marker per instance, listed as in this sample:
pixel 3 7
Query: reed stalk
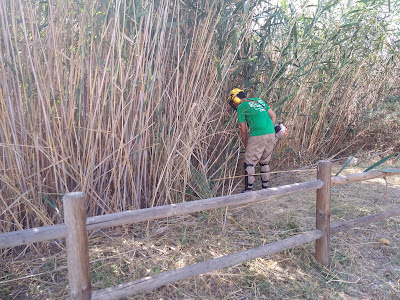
pixel 126 100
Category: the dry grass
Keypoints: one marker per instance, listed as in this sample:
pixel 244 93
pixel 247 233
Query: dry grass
pixel 361 267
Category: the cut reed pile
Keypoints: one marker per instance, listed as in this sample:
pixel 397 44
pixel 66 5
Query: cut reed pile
pixel 126 100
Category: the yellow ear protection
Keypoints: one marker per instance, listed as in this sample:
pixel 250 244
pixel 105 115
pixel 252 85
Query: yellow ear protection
pixel 233 99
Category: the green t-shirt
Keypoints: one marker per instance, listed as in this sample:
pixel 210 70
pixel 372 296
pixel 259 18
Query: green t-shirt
pixel 254 112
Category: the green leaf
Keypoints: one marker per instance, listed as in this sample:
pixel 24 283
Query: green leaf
pixel 218 69
pixel 383 160
pixel 350 25
pixel 344 166
pixel 394 170
pixel 100 18
pixel 235 40
pixel 246 7
pixel 356 11
pixel 141 14
pixel 53 205
pixel 348 161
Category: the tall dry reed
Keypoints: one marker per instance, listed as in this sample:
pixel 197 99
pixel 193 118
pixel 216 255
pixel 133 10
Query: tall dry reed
pixel 126 100
pixel 119 99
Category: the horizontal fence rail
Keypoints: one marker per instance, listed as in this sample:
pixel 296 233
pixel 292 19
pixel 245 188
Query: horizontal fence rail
pixel 344 179
pixel 59 231
pixel 172 210
pixel 33 235
pixel 347 225
pixel 152 282
pixel 40 234
pixel 77 224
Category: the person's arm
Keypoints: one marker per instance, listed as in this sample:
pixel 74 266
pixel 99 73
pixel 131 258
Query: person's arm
pixel 272 115
pixel 243 133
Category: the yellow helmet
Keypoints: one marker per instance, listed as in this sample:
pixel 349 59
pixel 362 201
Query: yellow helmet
pixel 233 100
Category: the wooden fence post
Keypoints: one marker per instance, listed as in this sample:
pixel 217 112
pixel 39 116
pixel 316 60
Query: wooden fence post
pixel 323 212
pixel 77 246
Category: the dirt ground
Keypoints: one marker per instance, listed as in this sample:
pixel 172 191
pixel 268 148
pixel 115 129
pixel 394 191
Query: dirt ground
pixel 365 262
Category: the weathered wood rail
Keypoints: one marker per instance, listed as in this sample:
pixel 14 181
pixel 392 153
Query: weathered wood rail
pixel 76 225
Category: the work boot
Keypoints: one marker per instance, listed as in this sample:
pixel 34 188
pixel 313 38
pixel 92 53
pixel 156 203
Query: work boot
pixel 264 184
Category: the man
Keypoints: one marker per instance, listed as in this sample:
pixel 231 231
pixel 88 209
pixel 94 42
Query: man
pixel 255 113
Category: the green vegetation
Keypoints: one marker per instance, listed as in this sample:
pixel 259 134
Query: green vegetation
pixel 126 100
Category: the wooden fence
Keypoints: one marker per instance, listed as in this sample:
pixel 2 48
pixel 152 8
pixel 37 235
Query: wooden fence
pixel 76 225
